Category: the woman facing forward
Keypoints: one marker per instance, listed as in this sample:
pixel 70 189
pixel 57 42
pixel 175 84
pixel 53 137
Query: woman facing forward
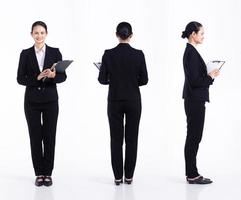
pixel 41 100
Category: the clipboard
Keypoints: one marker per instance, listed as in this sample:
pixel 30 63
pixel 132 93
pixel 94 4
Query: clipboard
pixel 61 66
pixel 215 64
pixel 97 64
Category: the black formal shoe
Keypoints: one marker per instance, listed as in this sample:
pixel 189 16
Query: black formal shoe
pixel 118 182
pixel 200 180
pixel 39 181
pixel 48 181
pixel 128 181
pixel 201 176
pixel 207 178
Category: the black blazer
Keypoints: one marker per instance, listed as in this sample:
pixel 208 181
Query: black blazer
pixel 28 70
pixel 197 81
pixel 124 69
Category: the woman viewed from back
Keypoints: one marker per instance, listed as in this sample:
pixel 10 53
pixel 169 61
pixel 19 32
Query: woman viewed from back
pixel 124 70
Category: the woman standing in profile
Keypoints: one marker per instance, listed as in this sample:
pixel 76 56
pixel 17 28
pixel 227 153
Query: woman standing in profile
pixel 41 100
pixel 124 70
pixel 195 94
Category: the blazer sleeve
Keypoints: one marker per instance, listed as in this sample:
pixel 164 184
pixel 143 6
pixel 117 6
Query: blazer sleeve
pixel 59 77
pixel 143 75
pixel 104 74
pixel 193 73
pixel 23 76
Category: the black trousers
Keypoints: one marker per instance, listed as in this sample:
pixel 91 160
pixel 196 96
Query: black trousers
pixel 195 112
pixel 117 110
pixel 42 122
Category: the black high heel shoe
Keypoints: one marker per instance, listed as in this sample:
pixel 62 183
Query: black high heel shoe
pixel 118 182
pixel 128 181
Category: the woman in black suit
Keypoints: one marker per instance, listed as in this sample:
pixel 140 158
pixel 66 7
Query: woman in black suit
pixel 41 100
pixel 124 70
pixel 195 94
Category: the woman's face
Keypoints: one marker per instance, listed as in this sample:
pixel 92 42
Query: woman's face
pixel 39 34
pixel 199 36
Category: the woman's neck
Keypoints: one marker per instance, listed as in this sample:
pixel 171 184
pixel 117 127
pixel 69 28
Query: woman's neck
pixel 124 41
pixel 190 41
pixel 39 46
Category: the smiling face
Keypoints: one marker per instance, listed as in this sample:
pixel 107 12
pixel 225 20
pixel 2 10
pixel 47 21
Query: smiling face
pixel 39 35
pixel 199 36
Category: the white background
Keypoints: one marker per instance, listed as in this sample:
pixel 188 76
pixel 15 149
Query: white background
pixel 83 29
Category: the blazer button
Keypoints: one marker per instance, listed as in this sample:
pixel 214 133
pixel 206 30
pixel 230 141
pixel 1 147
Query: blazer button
pixel 39 88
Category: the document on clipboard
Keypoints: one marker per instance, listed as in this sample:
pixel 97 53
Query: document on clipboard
pixel 215 64
pixel 97 64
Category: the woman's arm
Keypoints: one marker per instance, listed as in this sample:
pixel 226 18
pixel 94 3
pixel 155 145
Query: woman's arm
pixel 193 73
pixel 59 77
pixel 23 76
pixel 143 76
pixel 104 74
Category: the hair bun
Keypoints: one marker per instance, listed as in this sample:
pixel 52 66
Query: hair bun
pixel 184 34
pixel 125 32
pixel 190 28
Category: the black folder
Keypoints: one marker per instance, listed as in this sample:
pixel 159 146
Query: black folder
pixel 61 66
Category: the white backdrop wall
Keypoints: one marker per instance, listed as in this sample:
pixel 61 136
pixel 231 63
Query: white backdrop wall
pixel 83 29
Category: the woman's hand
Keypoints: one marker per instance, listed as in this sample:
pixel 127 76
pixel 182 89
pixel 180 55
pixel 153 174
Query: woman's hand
pixel 50 73
pixel 214 73
pixel 41 75
pixel 47 73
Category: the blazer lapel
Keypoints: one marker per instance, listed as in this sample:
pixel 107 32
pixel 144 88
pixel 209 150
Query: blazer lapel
pixel 203 63
pixel 34 61
pixel 201 59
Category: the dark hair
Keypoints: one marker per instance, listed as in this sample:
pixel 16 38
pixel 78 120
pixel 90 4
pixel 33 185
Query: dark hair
pixel 39 23
pixel 190 28
pixel 123 30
